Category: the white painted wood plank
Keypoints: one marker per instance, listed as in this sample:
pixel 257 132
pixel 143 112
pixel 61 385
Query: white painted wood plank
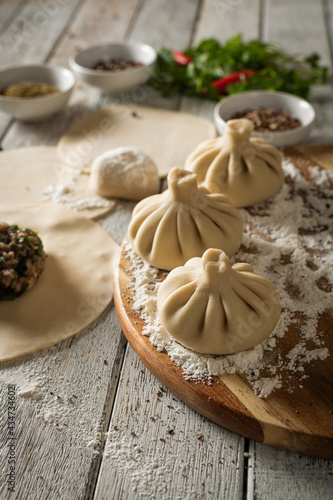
pixel 32 34
pixel 223 19
pixel 297 26
pixel 328 13
pixel 8 9
pixel 323 100
pixel 60 417
pixel 277 475
pixel 165 23
pixel 158 448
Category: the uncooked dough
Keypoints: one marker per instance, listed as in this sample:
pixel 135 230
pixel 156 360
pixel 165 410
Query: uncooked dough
pixel 169 228
pixel 74 287
pixel 168 137
pixel 246 170
pixel 124 172
pixel 212 307
pixel 26 172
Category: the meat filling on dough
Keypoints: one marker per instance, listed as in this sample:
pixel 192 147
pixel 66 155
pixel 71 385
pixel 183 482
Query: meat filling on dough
pixel 21 260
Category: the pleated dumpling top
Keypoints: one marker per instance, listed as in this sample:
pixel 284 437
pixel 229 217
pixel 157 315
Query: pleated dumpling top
pixel 212 307
pixel 247 170
pixel 168 229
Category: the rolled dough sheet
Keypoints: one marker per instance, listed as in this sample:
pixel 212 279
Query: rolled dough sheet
pixel 25 172
pixel 74 288
pixel 168 137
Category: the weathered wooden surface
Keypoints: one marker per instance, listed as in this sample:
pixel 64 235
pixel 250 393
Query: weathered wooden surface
pixel 66 395
pixel 158 447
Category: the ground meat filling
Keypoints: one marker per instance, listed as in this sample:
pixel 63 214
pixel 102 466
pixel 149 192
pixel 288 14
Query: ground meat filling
pixel 21 260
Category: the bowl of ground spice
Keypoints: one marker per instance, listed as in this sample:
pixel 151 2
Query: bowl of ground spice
pixel 281 119
pixel 35 93
pixel 114 68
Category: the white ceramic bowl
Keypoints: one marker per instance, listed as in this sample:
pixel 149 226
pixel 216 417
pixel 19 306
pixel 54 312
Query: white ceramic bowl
pixel 114 82
pixel 36 109
pixel 281 101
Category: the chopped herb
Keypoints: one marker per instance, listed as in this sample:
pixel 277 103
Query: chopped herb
pixel 15 247
pixel 24 286
pixel 211 61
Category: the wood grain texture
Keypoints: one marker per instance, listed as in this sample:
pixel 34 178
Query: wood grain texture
pixel 158 448
pixel 223 19
pixel 299 27
pixel 307 21
pixel 279 474
pixel 8 11
pixel 299 421
pixel 63 393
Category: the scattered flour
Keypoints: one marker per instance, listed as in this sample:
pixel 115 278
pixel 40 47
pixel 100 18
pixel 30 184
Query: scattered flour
pixel 69 193
pixel 147 468
pixel 57 403
pixel 288 240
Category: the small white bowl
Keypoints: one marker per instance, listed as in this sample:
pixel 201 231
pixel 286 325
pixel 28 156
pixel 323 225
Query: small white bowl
pixel 114 82
pixel 281 101
pixel 36 109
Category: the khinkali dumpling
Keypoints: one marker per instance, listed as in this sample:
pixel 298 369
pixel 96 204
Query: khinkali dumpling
pixel 169 228
pixel 246 170
pixel 212 307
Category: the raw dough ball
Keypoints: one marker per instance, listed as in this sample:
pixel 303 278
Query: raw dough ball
pixel 215 308
pixel 124 173
pixel 169 228
pixel 246 170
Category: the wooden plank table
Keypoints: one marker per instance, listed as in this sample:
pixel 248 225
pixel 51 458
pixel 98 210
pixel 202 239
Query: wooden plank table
pixel 92 422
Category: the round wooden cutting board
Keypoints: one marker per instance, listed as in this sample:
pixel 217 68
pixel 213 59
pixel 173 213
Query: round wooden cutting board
pixel 300 420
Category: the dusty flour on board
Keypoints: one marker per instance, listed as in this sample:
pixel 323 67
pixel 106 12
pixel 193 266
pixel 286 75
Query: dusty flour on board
pixel 288 240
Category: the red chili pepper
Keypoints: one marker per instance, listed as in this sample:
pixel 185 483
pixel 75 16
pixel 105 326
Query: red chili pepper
pixel 180 58
pixel 222 83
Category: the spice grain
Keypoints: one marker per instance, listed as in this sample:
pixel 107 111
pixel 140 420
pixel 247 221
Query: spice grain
pixel 269 119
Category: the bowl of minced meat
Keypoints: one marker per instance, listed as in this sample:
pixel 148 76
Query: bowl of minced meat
pixel 22 259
